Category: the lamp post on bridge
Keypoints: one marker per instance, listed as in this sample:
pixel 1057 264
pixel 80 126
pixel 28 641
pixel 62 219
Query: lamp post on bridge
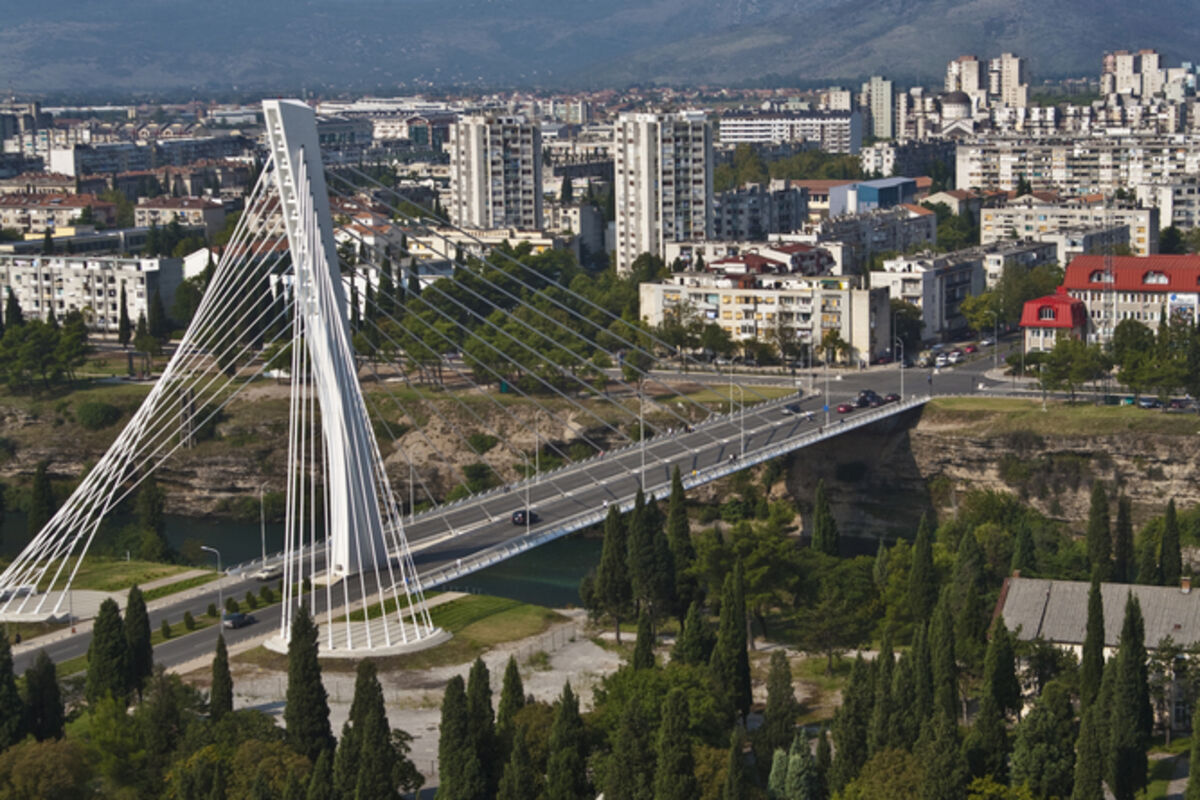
pixel 220 591
pixel 262 522
pixel 899 344
pixel 642 432
pixel 741 415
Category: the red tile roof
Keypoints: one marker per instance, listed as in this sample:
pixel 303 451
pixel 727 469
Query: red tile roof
pixel 752 262
pixel 1068 312
pixel 920 211
pixel 1157 273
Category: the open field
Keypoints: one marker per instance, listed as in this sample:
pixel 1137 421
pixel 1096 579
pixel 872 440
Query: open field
pixel 987 416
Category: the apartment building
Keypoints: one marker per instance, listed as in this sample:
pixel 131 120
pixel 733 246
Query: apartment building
pixel 862 196
pixel 1000 256
pixel 797 258
pixel 758 304
pixel 37 183
pixel 496 173
pixel 1177 201
pixel 194 211
pixel 1029 217
pixel 1045 320
pixel 39 212
pixel 832 131
pixel 89 284
pixel 878 97
pixel 967 74
pixel 1008 81
pixel 936 284
pixel 753 212
pixel 1085 239
pixel 663 165
pixel 1118 288
pixel 906 158
pixel 854 238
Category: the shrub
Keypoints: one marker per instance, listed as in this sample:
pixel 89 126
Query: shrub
pixel 94 415
pixel 212 609
pixel 166 629
pixel 251 600
pixel 481 442
pixel 267 595
pixel 231 605
pixel 189 621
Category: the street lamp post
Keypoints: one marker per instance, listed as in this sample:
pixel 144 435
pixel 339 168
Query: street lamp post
pixel 642 431
pixel 899 343
pixel 220 591
pixel 741 416
pixel 262 522
pixel 826 366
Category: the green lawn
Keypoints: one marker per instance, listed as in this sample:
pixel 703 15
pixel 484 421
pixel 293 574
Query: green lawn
pixel 988 416
pixel 179 586
pixel 104 574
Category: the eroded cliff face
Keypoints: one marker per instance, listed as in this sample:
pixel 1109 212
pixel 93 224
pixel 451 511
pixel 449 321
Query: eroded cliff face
pixel 881 479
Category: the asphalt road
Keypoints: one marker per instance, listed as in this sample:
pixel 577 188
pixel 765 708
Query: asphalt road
pixel 443 536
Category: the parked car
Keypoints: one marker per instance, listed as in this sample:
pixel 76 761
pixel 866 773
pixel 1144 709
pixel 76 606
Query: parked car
pixel 885 359
pixel 987 341
pixel 237 620
pixel 1180 403
pixel 956 357
pixel 970 349
pixel 518 517
pixel 1149 402
pixel 845 408
pixel 891 397
pixel 942 360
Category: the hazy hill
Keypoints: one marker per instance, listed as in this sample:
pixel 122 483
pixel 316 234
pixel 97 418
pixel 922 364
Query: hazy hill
pixel 379 44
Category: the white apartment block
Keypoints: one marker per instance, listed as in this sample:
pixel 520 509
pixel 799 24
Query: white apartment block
pixel 1177 201
pixel 835 131
pixel 496 173
pixel 1132 74
pixel 877 96
pixel 1000 256
pixel 1008 81
pixel 1029 218
pixel 91 285
pixel 663 182
pixel 936 284
pixel 188 211
pixel 854 238
pixel 965 74
pixel 41 212
pixel 1085 239
pixel 754 308
pixel 906 158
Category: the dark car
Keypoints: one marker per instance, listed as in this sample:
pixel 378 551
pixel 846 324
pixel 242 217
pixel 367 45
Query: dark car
pixel 1180 403
pixel 518 517
pixel 845 408
pixel 1150 402
pixel 891 398
pixel 882 360
pixel 238 620
pixel 792 408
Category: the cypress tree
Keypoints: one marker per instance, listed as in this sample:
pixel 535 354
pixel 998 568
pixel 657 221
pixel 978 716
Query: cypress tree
pixel 879 732
pixel 695 642
pixel 566 768
pixel 850 726
pixel 906 724
pixel 13 316
pixel 986 746
pixel 945 768
pixel 683 553
pixel 44 713
pixel 320 782
pixel 1091 662
pixel 825 536
pixel 1044 750
pixel 777 779
pixel 730 662
pixel 779 716
pixel 970 630
pixel 824 762
pixel 922 671
pixel 922 579
pixel 675 770
pixel 735 769
pixel 1089 760
pixel 1147 567
pixel 1099 532
pixel 376 758
pixel 630 773
pixel 639 555
pixel 41 500
pixel 1130 713
pixel 512 700
pixel 1123 555
pixel 12 709
pixel 663 600
pixel 124 324
pixel 613 588
pixel 520 780
pixel 351 748
pixel 1024 558
pixel 1000 670
pixel 482 723
pixel 944 667
pixel 137 639
pixel 460 775
pixel 803 782
pixel 220 699
pixel 1170 557
pixel 156 317
pixel 108 656
pixel 306 713
pixel 643 651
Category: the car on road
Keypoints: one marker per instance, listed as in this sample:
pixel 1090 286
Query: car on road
pixel 1149 402
pixel 791 408
pixel 942 360
pixel 268 573
pixel 1180 403
pixel 956 357
pixel 237 620
pixel 987 341
pixel 518 517
pixel 891 397
pixel 970 349
pixel 885 359
pixel 845 408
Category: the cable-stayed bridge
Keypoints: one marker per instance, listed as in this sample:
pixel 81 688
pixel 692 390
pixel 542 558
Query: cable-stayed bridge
pixel 287 298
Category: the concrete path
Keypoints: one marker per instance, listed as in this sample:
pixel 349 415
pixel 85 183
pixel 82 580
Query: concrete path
pixel 1179 779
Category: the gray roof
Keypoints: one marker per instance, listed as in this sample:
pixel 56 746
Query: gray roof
pixel 1057 610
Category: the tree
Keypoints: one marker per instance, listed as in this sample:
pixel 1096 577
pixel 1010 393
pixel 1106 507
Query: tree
pixel 945 767
pixel 777 778
pixel 41 500
pixel 630 773
pixel 520 781
pixel 825 537
pixel 460 775
pixel 124 325
pixel 942 660
pixel 1000 670
pixel 12 710
pixel 613 590
pixel 844 614
pixel 566 768
pixel 695 642
pixel 730 663
pixel 1170 241
pixel 1193 788
pixel 1170 559
pixel 986 746
pixel 13 316
pixel 922 579
pixel 643 651
pixel 566 194
pixel 137 639
pixel 1044 754
pixel 306 713
pixel 850 726
pixel 1124 567
pixel 512 700
pixel 1091 662
pixel 675 770
pixel 482 723
pixel 220 698
pixel 156 317
pixel 1130 714
pixel 879 732
pixel 44 713
pixel 735 769
pixel 1099 533
pixel 679 535
pixel 108 656
pixel 320 782
pixel 779 716
pixel 1089 759
pixel 364 765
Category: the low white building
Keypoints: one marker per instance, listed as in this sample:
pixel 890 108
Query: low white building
pixel 193 211
pixel 1027 217
pixel 936 284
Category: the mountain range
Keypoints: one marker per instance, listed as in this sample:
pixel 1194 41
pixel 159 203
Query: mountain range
pixel 81 46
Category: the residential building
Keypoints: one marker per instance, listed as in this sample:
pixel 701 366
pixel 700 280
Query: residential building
pixel 936 284
pixel 1008 81
pixel 879 100
pixel 818 191
pixel 193 211
pixel 37 183
pixel 39 212
pixel 89 284
pixel 1047 319
pixel 863 196
pixel 1084 239
pixel 753 212
pixel 664 182
pixel 85 239
pixel 1029 217
pixel 854 238
pixel 751 301
pixel 1001 256
pixel 906 158
pixel 834 131
pixel 1177 201
pixel 797 258
pixel 496 173
pixel 101 159
pixel 1117 288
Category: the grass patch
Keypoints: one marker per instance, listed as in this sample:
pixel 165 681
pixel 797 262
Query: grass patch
pixel 179 586
pixel 822 692
pixel 1161 770
pixel 992 416
pixel 721 394
pixel 31 630
pixel 111 575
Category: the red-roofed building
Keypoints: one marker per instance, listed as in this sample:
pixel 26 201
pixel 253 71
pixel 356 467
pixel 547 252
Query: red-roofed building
pixel 1047 318
pixel 1137 287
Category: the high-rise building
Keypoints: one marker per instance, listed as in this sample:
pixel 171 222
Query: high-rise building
pixel 663 182
pixel 1008 81
pixel 496 173
pixel 965 74
pixel 877 96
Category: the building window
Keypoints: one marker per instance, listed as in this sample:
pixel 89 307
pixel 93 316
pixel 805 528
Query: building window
pixel 1046 312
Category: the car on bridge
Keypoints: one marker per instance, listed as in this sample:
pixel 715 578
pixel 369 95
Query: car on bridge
pixel 845 408
pixel 518 517
pixel 891 397
pixel 791 408
pixel 268 573
pixel 237 620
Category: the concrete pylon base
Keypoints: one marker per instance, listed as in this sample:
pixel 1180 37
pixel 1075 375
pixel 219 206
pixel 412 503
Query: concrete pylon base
pixel 350 641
